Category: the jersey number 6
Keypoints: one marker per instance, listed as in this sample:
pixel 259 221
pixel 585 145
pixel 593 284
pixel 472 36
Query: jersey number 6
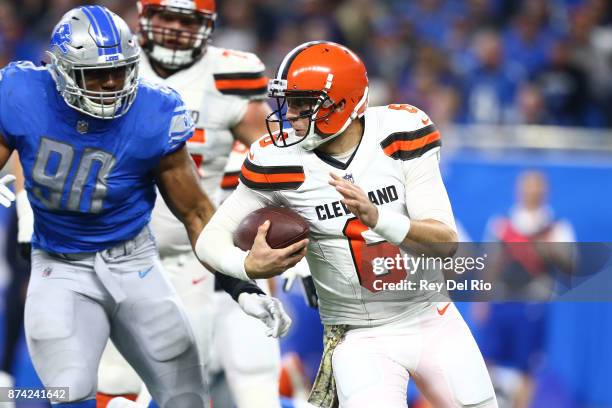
pixel 372 261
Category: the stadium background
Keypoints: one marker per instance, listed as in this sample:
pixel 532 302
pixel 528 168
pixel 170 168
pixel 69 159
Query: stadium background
pixel 514 85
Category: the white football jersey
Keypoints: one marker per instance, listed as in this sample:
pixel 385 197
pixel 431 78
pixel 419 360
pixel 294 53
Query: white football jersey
pixel 396 164
pixel 217 90
pixel 231 173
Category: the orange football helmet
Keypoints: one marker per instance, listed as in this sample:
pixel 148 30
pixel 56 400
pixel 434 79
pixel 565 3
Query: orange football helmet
pixel 155 39
pixel 331 79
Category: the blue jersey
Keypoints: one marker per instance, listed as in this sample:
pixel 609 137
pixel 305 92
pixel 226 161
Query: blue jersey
pixel 90 182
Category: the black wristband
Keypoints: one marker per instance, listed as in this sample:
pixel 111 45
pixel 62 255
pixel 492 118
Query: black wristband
pixel 234 286
pixel 25 250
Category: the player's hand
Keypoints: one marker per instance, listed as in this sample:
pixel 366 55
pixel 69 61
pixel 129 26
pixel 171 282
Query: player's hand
pixel 6 195
pixel 356 200
pixel 263 262
pixel 267 309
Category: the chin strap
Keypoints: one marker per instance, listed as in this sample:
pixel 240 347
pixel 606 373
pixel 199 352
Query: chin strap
pixel 313 140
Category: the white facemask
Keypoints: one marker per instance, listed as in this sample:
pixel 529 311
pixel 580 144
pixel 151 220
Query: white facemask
pixel 171 58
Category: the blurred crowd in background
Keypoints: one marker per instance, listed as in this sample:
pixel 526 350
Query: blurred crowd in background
pixel 476 61
pixel 493 62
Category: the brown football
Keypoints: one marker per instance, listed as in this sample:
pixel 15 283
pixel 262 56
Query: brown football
pixel 286 227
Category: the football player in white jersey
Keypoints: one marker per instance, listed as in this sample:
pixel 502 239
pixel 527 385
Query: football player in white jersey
pixel 225 90
pixel 367 181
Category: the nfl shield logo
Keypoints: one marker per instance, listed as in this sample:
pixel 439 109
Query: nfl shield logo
pixel 47 271
pixel 349 177
pixel 82 126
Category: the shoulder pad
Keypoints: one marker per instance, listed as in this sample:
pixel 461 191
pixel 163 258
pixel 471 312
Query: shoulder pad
pixel 18 71
pixel 156 87
pixel 17 66
pixel 170 117
pixel 239 73
pixel 406 132
pixel 268 167
pixel 22 84
pixel 161 94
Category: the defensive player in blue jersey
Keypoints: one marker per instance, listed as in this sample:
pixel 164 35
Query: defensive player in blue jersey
pixel 94 142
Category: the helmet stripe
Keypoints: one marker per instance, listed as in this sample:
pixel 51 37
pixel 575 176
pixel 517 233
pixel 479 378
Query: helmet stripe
pixel 106 38
pixel 107 30
pixel 93 22
pixel 284 66
pixel 111 21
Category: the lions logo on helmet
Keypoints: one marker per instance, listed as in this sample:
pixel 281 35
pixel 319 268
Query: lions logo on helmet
pixel 88 39
pixel 61 37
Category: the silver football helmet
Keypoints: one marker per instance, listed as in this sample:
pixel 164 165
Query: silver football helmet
pixel 91 41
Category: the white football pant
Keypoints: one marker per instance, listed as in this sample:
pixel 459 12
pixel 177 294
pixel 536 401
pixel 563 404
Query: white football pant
pixel 76 302
pixel 372 366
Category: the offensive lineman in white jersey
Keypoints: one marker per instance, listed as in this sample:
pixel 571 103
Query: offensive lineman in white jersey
pixel 368 183
pixel 225 91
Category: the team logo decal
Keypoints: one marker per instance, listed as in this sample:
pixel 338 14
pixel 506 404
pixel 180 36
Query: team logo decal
pixel 82 126
pixel 349 177
pixel 61 37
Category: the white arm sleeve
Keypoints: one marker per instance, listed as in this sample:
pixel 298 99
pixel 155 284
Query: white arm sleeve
pixel 25 218
pixel 215 245
pixel 426 196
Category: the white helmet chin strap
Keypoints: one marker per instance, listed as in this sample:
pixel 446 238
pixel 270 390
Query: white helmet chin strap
pixel 313 140
pixel 100 109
